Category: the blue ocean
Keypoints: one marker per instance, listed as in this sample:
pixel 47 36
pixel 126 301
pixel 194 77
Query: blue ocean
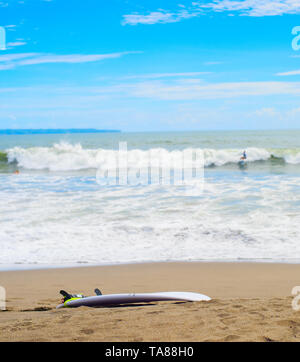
pixel 54 212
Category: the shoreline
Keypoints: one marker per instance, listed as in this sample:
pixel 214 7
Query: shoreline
pixel 31 267
pixel 250 302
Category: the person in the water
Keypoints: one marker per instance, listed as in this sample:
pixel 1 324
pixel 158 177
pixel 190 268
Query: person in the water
pixel 244 157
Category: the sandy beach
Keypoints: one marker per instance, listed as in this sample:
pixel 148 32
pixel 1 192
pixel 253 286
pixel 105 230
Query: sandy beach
pixel 250 302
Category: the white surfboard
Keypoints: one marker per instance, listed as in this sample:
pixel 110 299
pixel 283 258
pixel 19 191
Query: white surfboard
pixel 242 163
pixel 116 299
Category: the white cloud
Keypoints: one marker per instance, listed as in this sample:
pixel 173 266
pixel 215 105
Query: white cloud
pixel 72 58
pixel 161 16
pixel 196 89
pixel 294 113
pixel 214 104
pixel 12 57
pixel 278 114
pixel 256 8
pixel 166 75
pixel 15 60
pixel 293 72
pixel 6 66
pixel 171 90
pixel 266 112
pixel 152 18
pixel 253 7
pixel 200 90
pixel 10 27
pixel 16 44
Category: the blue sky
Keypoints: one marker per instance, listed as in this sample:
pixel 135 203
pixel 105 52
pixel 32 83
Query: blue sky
pixel 150 65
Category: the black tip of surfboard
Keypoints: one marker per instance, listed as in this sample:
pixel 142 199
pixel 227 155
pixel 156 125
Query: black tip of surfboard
pixel 97 291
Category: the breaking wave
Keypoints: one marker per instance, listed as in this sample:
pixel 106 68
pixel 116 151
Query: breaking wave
pixel 71 157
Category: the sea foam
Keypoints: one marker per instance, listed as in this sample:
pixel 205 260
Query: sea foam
pixel 70 157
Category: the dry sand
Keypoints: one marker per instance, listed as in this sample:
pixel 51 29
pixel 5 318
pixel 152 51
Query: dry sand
pixel 251 302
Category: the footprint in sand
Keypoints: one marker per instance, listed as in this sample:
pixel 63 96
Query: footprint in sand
pixel 26 324
pixel 228 321
pixel 268 339
pixel 289 323
pixel 231 338
pixel 64 319
pixel 87 331
pixel 37 309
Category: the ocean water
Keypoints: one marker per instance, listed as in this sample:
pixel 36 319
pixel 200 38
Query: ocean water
pixel 55 213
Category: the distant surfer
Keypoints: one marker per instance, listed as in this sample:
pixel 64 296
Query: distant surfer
pixel 17 172
pixel 242 161
pixel 244 157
